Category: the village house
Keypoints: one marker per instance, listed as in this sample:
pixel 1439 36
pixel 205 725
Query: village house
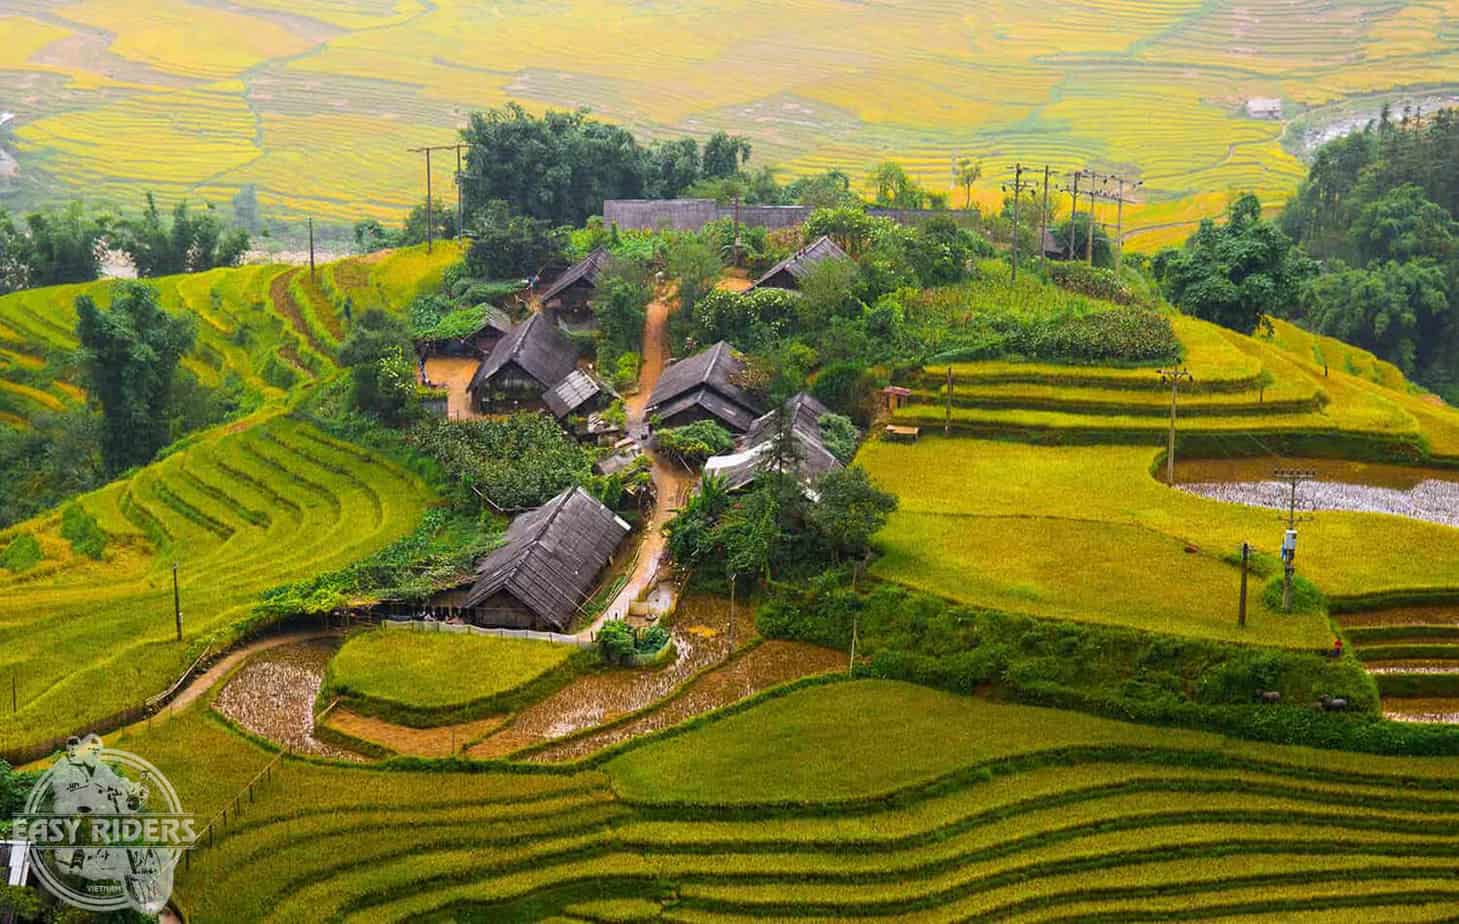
pixel 703 387
pixel 802 414
pixel 788 273
pixel 580 399
pixel 548 566
pixel 523 365
pixel 566 300
pixel 495 324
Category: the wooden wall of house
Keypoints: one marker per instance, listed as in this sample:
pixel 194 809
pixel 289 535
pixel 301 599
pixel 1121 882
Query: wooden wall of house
pixel 503 611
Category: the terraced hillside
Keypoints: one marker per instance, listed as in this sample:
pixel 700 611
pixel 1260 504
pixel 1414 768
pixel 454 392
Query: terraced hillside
pixel 310 108
pixel 938 808
pixel 266 327
pixel 240 509
pixel 1044 501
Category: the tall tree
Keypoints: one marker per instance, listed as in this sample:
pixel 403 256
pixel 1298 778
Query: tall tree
pixel 375 353
pixel 849 510
pixel 968 173
pixel 191 243
pixel 724 154
pixel 1235 273
pixel 131 352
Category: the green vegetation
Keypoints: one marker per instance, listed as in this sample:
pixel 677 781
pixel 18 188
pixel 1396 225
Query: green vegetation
pixel 694 443
pixel 847 799
pixel 435 678
pixel 22 554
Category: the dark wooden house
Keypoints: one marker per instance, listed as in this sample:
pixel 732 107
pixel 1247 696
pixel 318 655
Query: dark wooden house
pixel 523 365
pixel 802 414
pixel 548 566
pixel 703 387
pixel 788 273
pixel 567 298
pixel 579 399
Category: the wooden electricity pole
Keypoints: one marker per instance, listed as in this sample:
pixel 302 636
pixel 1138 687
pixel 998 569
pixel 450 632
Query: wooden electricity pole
pixel 460 198
pixel 311 248
pixel 176 602
pixel 1044 224
pixel 1089 238
pixel 1173 378
pixel 430 202
pixel 1245 564
pixel 947 419
pixel 1017 196
pixel 430 218
pixel 1294 477
pixel 1073 212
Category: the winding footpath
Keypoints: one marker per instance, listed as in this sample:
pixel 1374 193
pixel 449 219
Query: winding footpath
pixel 671 484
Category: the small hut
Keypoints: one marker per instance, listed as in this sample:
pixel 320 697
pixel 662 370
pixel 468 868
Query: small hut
pixel 547 568
pixel 524 364
pixel 895 396
pixel 581 396
pixel 702 387
pixel 495 324
pixel 788 273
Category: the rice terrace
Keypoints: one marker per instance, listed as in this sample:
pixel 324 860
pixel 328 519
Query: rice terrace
pixel 481 462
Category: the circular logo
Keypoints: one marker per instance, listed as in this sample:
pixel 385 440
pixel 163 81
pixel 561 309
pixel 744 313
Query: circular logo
pixel 105 828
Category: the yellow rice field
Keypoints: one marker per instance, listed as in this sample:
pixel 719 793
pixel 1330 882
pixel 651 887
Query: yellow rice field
pixel 313 104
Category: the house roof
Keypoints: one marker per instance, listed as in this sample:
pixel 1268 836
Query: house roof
pixel 537 346
pixel 496 319
pixel 577 389
pixel 724 410
pixel 812 458
pixel 551 556
pixel 712 369
pixel 800 263
pixel 585 270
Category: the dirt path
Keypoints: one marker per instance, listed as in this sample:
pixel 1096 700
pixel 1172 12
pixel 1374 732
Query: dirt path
pixel 204 682
pixel 671 484
pixel 438 741
pixel 454 373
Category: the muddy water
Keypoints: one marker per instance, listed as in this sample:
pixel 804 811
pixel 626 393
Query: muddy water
pixel 273 695
pixel 1444 711
pixel 771 663
pixel 1342 471
pixel 701 638
pixel 454 373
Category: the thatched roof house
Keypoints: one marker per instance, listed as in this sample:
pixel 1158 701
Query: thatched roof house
pixel 547 568
pixel 702 387
pixel 577 283
pixel 495 324
pixel 531 359
pixel 812 458
pixel 788 273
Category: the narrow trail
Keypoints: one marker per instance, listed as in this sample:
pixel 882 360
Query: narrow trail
pixel 671 484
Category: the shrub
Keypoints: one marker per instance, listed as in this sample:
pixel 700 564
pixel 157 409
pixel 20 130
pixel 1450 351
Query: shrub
pixel 695 443
pixel 22 554
pixel 1094 281
pixel 840 435
pixel 1306 598
pixel 80 529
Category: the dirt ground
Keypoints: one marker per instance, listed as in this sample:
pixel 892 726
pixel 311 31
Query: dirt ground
pixel 454 373
pixel 441 741
pixel 273 695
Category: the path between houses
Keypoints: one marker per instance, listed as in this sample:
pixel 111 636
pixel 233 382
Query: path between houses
pixel 671 484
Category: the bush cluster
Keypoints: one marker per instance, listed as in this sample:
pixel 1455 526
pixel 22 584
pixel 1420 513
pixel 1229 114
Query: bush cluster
pixel 1129 335
pixel 1119 672
pixel 1094 281
pixel 81 529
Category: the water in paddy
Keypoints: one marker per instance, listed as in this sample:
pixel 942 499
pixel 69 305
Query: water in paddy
pixel 273 696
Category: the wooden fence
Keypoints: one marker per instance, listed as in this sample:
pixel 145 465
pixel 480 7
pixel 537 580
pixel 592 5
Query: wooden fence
pixel 429 625
pixel 694 214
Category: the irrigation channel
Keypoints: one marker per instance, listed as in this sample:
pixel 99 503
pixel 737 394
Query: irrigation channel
pixel 1412 652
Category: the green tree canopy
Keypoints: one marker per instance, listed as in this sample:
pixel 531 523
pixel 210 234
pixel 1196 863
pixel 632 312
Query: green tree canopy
pixel 192 243
pixel 1235 273
pixel 849 509
pixel 506 246
pixel 376 353
pixel 131 354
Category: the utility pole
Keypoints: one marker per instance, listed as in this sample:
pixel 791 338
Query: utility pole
pixel 947 419
pixel 851 664
pixel 1245 565
pixel 1089 239
pixel 1073 210
pixel 430 202
pixel 176 602
pixel 1044 223
pixel 1017 197
pixel 311 248
pixel 737 230
pixel 430 217
pixel 1294 477
pixel 460 198
pixel 1173 378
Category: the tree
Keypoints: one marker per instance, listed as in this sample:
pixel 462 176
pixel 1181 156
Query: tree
pixel 376 353
pixel 131 352
pixel 694 443
pixel 619 303
pixel 191 244
pixel 849 509
pixel 840 436
pixel 670 168
pixel 968 172
pixel 828 291
pixel 440 219
pixel 940 252
pixel 695 265
pixel 724 154
pixel 849 226
pixel 558 168
pixel 53 248
pixel 1400 311
pixel 829 190
pixel 894 188
pixel 749 533
pixel 1403 225
pixel 511 246
pixel 1072 235
pixel 1236 273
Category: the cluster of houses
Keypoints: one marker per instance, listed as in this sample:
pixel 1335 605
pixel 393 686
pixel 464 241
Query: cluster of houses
pixel 547 568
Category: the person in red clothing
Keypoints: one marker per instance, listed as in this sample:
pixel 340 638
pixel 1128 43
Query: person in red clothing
pixel 1337 647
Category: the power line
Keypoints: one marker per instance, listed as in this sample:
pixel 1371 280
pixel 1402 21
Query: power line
pixel 1173 378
